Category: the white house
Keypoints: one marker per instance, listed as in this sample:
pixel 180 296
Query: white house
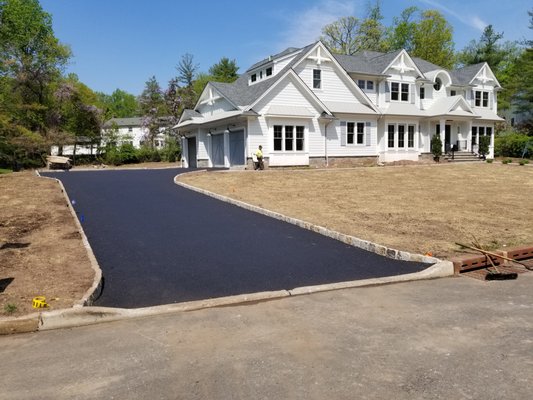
pixel 308 106
pixel 131 130
pixel 128 130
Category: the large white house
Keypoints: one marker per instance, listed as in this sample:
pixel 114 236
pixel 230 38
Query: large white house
pixel 309 106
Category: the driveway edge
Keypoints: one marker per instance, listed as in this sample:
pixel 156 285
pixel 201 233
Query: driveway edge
pixel 89 295
pixel 347 239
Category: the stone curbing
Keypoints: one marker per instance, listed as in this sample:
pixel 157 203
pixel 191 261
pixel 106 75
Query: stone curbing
pixel 347 239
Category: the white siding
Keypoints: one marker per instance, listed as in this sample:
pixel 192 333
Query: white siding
pixel 335 148
pixel 218 106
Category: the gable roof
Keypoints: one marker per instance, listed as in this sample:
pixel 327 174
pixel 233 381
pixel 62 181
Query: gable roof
pixel 270 59
pixel 464 75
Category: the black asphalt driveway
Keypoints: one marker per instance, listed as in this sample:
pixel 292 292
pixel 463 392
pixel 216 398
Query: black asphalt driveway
pixel 158 243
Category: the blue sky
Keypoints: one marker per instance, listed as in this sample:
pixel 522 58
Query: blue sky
pixel 121 43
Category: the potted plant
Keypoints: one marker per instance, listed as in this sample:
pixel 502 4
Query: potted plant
pixel 436 147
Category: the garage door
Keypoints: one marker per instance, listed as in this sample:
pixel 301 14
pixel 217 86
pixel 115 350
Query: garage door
pixel 191 150
pixel 217 150
pixel 236 148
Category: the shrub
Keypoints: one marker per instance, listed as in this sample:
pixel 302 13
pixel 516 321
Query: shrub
pixel 523 162
pixel 507 161
pixel 128 154
pixel 513 145
pixel 484 143
pixel 490 160
pixel 10 308
pixel 171 151
pixel 436 147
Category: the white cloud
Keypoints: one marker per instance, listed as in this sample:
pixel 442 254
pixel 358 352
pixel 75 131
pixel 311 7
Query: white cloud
pixel 306 27
pixel 471 20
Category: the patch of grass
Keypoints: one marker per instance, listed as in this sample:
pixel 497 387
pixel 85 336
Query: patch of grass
pixel 507 161
pixel 523 162
pixel 10 308
pixel 5 171
pixel 490 160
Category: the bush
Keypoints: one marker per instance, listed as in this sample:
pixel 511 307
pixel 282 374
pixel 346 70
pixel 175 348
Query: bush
pixel 507 161
pixel 490 160
pixel 171 151
pixel 128 154
pixel 484 143
pixel 513 145
pixel 523 162
pixel 436 147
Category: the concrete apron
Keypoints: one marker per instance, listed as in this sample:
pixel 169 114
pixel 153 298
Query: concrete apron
pixel 83 314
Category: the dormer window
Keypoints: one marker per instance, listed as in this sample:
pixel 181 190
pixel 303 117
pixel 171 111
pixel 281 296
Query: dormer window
pixel 453 93
pixel 438 84
pixel 399 91
pixel 317 79
pixel 253 78
pixel 269 71
pixel 481 98
pixel 260 74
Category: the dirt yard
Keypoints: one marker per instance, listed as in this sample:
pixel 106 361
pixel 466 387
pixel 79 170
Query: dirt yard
pixel 412 208
pixel 40 246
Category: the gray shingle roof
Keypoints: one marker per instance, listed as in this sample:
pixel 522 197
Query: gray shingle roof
pixel 135 121
pixel 267 60
pixel 463 76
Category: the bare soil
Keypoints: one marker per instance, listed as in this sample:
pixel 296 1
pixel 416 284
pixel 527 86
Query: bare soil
pixel 40 246
pixel 421 209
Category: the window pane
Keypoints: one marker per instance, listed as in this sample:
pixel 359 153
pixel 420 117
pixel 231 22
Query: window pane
pixel 422 93
pixel 481 130
pixel 299 138
pixel 350 127
pixel 361 83
pixel 489 131
pixel 485 99
pixel 269 71
pixel 401 135
pixel 289 138
pixel 278 137
pixel 254 77
pixel 370 85
pixel 478 99
pixel 395 91
pixel 411 136
pixel 360 132
pixel 317 78
pixel 391 136
pixel 405 92
pixel 474 135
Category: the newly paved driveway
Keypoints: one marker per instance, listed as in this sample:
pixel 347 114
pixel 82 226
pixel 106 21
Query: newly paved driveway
pixel 158 243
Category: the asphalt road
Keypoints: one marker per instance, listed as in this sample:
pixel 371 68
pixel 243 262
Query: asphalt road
pixel 158 243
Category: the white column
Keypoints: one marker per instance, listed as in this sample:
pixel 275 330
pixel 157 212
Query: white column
pixel 226 149
pixel 469 135
pixel 442 133
pixel 184 153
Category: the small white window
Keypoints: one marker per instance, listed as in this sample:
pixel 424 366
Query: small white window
pixel 369 85
pixel 253 78
pixel 361 83
pixel 317 79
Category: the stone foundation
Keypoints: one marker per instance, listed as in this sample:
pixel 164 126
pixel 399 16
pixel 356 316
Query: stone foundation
pixel 202 164
pixel 343 162
pixel 250 163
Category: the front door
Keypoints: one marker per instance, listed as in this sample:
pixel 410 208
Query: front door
pixel 236 148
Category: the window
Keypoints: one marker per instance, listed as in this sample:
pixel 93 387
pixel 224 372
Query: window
pixel 285 139
pixel 253 78
pixel 130 129
pixel 474 135
pixel 361 83
pixel 438 84
pixel 453 93
pixel 399 91
pixel 260 74
pixel 299 138
pixel 278 138
pixel 317 79
pixel 350 127
pixel 369 85
pixel 391 136
pixel 355 133
pixel 422 92
pixel 411 136
pixel 289 138
pixel 401 135
pixel 269 71
pixel 481 98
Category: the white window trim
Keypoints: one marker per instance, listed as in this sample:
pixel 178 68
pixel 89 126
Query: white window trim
pixel 481 98
pixel 283 150
pixel 405 138
pixel 400 92
pixel 355 144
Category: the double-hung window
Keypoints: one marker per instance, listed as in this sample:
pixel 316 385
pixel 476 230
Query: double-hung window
pixel 355 133
pixel 481 98
pixel 400 136
pixel 289 138
pixel 390 136
pixel 317 79
pixel 399 91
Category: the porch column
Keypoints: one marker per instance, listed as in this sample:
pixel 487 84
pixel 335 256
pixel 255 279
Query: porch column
pixel 209 151
pixel 469 135
pixel 443 134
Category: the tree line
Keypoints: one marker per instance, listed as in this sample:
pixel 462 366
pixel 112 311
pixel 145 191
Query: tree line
pixel 41 105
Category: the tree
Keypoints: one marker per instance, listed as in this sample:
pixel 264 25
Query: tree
pixel 119 104
pixel 433 39
pixel 348 35
pixel 186 70
pixel 152 107
pixel 224 71
pixel 401 34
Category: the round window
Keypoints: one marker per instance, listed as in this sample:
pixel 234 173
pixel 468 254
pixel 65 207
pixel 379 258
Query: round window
pixel 438 84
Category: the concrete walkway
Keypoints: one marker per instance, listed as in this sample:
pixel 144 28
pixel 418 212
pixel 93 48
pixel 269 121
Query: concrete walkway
pixel 158 243
pixel 452 338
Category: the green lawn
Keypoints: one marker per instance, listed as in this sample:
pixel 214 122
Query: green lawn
pixel 5 171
